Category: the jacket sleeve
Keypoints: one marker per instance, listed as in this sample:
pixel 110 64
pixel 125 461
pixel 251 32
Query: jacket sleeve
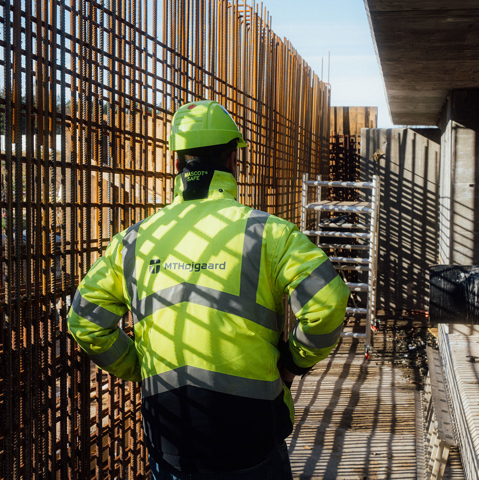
pixel 317 295
pixel 98 306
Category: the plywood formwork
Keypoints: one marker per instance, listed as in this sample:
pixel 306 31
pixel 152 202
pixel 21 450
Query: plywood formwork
pixel 345 145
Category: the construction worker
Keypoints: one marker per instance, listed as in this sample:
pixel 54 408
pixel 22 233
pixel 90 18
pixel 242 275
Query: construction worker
pixel 204 279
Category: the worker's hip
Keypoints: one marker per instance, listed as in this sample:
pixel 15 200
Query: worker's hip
pixel 276 466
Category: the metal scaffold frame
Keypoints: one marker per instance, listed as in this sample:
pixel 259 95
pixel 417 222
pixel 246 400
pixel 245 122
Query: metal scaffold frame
pixel 347 227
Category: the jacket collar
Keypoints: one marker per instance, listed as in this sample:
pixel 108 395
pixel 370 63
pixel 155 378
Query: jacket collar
pixel 223 186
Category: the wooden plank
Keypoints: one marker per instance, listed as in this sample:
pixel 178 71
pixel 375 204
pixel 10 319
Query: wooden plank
pixel 333 121
pixel 367 118
pixel 346 121
pixel 462 380
pixel 420 455
pixel 354 419
pixel 353 120
pixel 339 120
pixel 373 117
pixel 361 118
pixel 439 397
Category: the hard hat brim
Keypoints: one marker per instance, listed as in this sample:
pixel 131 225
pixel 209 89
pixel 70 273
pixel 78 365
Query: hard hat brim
pixel 203 138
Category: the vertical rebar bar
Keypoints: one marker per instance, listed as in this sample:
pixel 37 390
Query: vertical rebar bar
pixel 18 400
pixel 63 248
pixel 52 239
pixel 29 324
pixel 73 350
pixel 8 420
pixel 38 310
pixel 101 160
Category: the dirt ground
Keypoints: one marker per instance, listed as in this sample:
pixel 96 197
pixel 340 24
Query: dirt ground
pixel 403 339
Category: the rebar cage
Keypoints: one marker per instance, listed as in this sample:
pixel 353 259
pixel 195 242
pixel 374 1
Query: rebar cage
pixel 88 89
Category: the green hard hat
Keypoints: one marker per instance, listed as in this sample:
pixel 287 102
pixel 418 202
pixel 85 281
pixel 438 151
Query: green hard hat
pixel 202 124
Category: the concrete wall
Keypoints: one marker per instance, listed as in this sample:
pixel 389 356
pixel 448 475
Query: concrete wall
pixel 459 186
pixel 408 162
pixel 459 192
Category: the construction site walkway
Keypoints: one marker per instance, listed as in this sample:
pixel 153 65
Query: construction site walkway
pixel 362 419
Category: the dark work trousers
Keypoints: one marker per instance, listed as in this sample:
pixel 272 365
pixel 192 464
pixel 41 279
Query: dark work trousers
pixel 274 467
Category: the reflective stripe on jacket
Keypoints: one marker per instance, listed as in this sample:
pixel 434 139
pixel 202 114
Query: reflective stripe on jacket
pixel 204 281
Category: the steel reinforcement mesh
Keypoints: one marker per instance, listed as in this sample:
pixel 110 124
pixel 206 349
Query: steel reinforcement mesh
pixel 87 94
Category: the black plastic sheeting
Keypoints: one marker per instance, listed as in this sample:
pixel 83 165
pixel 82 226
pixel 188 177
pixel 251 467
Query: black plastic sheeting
pixel 454 294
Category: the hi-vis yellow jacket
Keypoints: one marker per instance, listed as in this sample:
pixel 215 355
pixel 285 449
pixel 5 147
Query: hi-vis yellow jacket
pixel 204 280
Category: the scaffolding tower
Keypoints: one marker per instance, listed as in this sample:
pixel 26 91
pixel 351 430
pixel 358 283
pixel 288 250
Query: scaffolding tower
pixel 353 226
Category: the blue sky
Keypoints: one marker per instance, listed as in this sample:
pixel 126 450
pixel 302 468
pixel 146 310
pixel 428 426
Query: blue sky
pixel 341 27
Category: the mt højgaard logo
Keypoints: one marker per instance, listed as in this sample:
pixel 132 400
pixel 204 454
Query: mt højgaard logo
pixel 155 266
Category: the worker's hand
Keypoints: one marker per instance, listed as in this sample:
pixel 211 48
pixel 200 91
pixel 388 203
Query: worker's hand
pixel 285 375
